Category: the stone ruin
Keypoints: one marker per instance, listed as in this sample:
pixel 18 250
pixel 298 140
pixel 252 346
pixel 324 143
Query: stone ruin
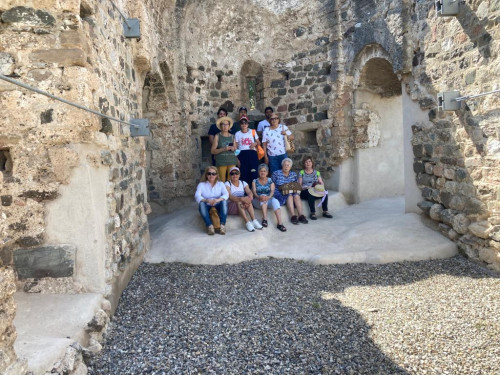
pixel 355 80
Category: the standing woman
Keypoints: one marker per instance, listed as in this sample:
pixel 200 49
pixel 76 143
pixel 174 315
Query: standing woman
pixel 212 193
pixel 223 148
pixel 273 142
pixel 309 178
pixel 246 141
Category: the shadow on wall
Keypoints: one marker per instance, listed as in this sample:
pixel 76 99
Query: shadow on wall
pixel 258 324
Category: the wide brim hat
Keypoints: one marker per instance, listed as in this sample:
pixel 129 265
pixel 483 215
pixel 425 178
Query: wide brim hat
pixel 317 190
pixel 220 120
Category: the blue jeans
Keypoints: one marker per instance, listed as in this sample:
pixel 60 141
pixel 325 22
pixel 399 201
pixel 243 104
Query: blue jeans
pixel 221 208
pixel 275 162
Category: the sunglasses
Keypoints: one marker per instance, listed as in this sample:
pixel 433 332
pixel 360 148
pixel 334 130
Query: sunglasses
pixel 211 173
pixel 233 173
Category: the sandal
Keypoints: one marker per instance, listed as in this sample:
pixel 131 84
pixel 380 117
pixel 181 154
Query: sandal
pixel 303 219
pixel 264 223
pixel 313 217
pixel 294 220
pixel 281 227
pixel 326 214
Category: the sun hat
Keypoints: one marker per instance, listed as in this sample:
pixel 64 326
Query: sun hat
pixel 317 190
pixel 233 168
pixel 222 119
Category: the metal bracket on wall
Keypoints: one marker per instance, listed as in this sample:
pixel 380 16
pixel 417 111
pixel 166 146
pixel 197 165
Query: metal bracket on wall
pixel 131 26
pixel 447 101
pixel 139 127
pixel 445 8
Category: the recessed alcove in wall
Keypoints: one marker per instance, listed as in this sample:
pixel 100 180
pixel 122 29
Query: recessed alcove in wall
pixel 5 162
pixel 309 138
pixel 252 85
pixel 206 155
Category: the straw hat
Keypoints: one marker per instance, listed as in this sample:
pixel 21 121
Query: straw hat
pixel 317 191
pixel 220 120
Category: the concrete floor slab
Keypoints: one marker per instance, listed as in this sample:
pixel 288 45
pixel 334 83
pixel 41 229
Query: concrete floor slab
pixel 375 231
pixel 47 324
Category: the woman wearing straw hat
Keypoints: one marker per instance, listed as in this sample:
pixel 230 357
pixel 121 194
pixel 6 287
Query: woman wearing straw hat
pixel 223 148
pixel 313 188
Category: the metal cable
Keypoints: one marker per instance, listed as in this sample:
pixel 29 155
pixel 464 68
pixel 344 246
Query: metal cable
pixel 38 91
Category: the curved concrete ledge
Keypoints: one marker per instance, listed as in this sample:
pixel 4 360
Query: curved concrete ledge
pixel 47 324
pixel 376 231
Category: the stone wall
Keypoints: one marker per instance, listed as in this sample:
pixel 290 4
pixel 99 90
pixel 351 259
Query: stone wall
pixel 457 153
pixel 9 364
pixel 73 186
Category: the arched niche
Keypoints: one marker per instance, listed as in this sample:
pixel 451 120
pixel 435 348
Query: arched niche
pixel 252 85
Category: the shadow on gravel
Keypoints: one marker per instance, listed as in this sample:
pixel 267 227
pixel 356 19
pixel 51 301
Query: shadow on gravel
pixel 258 317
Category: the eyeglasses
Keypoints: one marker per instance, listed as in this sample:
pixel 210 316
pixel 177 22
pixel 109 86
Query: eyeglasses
pixel 233 173
pixel 274 118
pixel 225 123
pixel 211 173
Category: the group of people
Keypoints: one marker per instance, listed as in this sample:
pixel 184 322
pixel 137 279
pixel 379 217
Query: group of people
pixel 236 182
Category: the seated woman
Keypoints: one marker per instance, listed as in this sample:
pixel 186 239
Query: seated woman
pixel 263 191
pixel 309 178
pixel 238 202
pixel 212 193
pixel 285 176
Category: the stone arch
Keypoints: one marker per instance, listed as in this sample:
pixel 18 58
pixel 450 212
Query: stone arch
pixel 372 70
pixel 252 74
pixel 169 143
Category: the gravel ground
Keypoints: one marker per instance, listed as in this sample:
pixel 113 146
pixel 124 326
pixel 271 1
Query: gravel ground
pixel 287 317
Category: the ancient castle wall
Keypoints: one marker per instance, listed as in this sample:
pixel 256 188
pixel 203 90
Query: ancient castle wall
pixel 72 186
pixel 457 153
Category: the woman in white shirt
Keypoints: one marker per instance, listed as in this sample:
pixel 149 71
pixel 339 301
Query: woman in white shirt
pixel 212 193
pixel 239 202
pixel 246 141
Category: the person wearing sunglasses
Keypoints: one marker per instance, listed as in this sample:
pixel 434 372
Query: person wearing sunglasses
pixel 273 142
pixel 223 148
pixel 240 200
pixel 210 192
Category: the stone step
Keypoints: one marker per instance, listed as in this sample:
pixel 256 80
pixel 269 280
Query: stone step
pixel 47 324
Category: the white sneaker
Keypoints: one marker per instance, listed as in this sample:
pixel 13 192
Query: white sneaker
pixel 256 224
pixel 250 226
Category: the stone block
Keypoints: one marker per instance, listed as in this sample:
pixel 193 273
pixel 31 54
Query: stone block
pixel 295 82
pixel 447 215
pixel 428 168
pixel 449 173
pixel 6 200
pixel 460 223
pixel 71 39
pixel 418 167
pixel 7 64
pixel 46 261
pixel 480 229
pixel 61 57
pixel 435 211
pixel 425 206
pixel 278 84
pixel 28 16
pixel 424 179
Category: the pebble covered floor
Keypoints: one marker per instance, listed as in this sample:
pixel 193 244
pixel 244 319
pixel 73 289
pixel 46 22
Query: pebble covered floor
pixel 275 316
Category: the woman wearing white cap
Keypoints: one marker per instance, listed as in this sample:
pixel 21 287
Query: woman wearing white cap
pixel 240 199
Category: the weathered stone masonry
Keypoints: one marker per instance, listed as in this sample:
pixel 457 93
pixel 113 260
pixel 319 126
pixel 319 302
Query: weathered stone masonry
pixel 68 179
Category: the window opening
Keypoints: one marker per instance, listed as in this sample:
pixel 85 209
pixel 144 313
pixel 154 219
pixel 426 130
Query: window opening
pixel 251 92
